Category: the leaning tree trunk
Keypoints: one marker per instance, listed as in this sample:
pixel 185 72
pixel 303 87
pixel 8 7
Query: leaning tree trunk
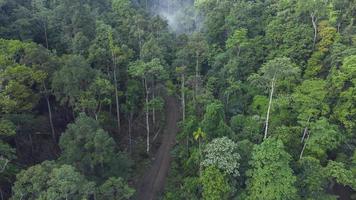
pixel 49 113
pixel 269 107
pixel 44 86
pixel 305 132
pixel 315 26
pixel 305 144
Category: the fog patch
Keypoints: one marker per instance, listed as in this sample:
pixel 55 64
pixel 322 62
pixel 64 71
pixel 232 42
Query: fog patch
pixel 180 15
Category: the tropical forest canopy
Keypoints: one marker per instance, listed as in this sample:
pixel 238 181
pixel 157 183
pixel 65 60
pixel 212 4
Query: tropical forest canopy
pixel 266 92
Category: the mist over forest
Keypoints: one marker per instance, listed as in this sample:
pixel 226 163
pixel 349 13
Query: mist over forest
pixel 181 16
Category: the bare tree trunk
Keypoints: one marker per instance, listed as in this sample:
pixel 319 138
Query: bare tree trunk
pixel 153 109
pixel 50 114
pixel 97 111
pixel 200 155
pixel 183 105
pixel 196 78
pixel 130 130
pixel 50 118
pixel 1 195
pixel 44 86
pixel 147 119
pixel 73 114
pixel 305 144
pixel 45 32
pixel 269 107
pixel 305 132
pixel 94 195
pixel 315 26
pixel 116 96
pixel 3 168
pixel 31 142
pixel 183 97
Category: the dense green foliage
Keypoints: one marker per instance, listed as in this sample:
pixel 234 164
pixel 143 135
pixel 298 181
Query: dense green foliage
pixel 266 87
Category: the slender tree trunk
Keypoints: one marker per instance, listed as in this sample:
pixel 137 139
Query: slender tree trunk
pixel 94 195
pixel 116 95
pixel 305 144
pixel 183 106
pixel 130 130
pixel 97 112
pixel 50 113
pixel 200 168
pixel 1 194
pixel 51 119
pixel 305 132
pixel 153 109
pixel 31 142
pixel 44 86
pixel 269 107
pixel 227 101
pixel 3 168
pixel 45 33
pixel 183 97
pixel 73 114
pixel 147 119
pixel 315 26
pixel 196 78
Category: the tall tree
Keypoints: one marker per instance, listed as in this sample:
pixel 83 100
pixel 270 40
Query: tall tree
pixel 51 181
pixel 115 189
pixel 40 58
pixel 343 82
pixel 315 9
pixel 134 93
pixel 96 97
pixel 91 150
pixel 72 80
pixel 215 184
pixel 271 177
pixel 271 73
pixel 222 154
pixel 237 41
pixel 199 47
pixel 213 122
pixel 148 71
pixel 115 55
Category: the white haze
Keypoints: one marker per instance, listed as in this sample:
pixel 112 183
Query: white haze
pixel 180 14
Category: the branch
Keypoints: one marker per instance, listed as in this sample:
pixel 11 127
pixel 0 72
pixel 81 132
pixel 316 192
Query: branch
pixel 5 165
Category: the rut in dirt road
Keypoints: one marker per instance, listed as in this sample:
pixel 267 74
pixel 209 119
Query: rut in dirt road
pixel 153 181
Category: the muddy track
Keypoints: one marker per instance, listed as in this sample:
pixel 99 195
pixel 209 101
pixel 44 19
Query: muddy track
pixel 153 181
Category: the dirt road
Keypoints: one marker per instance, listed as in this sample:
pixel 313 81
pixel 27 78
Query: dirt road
pixel 153 181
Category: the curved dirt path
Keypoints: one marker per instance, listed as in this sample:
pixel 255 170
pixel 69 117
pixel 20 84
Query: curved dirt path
pixel 153 181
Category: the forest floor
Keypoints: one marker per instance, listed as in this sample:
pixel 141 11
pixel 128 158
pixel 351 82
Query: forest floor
pixel 152 183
